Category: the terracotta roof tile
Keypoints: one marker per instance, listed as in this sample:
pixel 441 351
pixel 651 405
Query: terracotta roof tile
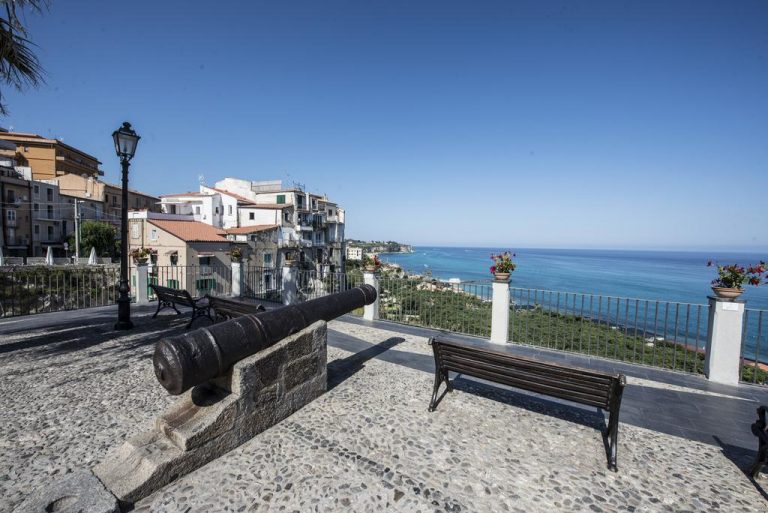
pixel 252 229
pixel 239 198
pixel 190 231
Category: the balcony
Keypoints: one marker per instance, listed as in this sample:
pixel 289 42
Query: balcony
pixel 287 243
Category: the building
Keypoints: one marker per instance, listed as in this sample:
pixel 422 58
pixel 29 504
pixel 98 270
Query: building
pixel 48 158
pixel 259 245
pixel 188 254
pixel 15 209
pixel 49 224
pixel 102 201
pixel 310 225
pixel 354 253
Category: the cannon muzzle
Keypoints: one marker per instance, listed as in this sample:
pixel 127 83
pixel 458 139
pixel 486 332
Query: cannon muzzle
pixel 184 361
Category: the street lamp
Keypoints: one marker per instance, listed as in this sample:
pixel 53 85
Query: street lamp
pixel 125 146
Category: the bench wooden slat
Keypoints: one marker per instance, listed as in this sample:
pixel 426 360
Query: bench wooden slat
pixel 514 361
pixel 564 390
pixel 168 297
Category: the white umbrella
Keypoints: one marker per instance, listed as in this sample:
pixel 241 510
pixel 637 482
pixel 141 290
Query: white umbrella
pixel 49 256
pixel 92 257
pixel 2 258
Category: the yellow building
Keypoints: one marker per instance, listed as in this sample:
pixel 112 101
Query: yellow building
pixel 49 158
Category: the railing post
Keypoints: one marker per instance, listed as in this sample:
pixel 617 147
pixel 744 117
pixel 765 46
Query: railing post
pixel 142 284
pixel 237 279
pixel 371 312
pixel 500 312
pixel 290 284
pixel 723 357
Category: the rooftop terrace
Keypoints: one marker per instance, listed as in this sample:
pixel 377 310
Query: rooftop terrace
pixel 73 388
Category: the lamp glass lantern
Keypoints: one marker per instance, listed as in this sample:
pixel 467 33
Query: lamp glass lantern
pixel 126 140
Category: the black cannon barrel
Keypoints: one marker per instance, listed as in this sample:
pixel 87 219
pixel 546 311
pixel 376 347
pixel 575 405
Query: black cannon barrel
pixel 184 361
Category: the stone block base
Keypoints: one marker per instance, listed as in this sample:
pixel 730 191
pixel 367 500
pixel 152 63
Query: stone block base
pixel 212 419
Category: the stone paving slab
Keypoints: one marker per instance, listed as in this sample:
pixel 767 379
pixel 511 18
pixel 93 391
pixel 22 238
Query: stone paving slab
pixel 70 394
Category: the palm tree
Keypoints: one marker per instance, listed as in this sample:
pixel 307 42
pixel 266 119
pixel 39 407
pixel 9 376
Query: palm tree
pixel 19 66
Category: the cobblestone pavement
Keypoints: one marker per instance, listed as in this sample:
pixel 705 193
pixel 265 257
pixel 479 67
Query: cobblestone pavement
pixel 368 444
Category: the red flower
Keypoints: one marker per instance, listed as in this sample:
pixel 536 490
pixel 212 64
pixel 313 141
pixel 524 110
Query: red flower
pixel 493 269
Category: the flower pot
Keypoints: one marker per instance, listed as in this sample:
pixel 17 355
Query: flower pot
pixel 727 292
pixel 501 276
pixel 370 268
pixel 140 260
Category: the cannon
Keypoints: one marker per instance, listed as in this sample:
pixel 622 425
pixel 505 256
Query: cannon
pixel 197 357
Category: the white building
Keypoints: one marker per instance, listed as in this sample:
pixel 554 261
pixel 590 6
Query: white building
pixel 354 253
pixel 309 224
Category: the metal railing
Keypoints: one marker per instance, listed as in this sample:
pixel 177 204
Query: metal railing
pixel 312 285
pixel 264 283
pixel 461 307
pixel 195 279
pixel 32 290
pixel 754 352
pixel 662 334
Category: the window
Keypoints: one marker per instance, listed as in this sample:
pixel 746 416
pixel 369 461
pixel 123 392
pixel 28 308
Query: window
pixel 37 229
pixel 11 196
pixel 205 260
pixel 37 207
pixel 135 231
pixel 175 260
pixel 11 215
pixel 50 212
pixel 49 194
pixel 137 203
pixel 173 209
pixel 267 259
pixel 197 210
pixel 251 216
pixel 114 201
pixel 229 210
pixel 216 211
pixel 50 233
pixel 281 199
pixel 37 191
pixel 153 234
pixel 287 217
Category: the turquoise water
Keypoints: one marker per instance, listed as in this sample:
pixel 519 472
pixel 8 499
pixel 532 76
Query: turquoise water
pixel 657 275
pixel 653 275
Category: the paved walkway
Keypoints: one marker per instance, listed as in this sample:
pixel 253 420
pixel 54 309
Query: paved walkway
pixel 72 388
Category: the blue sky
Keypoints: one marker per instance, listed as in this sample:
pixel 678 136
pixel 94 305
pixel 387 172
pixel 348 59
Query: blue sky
pixel 541 124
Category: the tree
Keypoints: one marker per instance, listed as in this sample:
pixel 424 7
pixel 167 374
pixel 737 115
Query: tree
pixel 96 234
pixel 19 66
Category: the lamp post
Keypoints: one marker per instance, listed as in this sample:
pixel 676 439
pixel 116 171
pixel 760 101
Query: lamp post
pixel 125 146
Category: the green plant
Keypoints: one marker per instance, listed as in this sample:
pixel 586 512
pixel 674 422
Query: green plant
pixel 735 276
pixel 502 263
pixel 141 253
pixel 236 255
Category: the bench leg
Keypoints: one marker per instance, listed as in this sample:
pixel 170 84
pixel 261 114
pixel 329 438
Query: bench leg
pixel 438 380
pixel 159 306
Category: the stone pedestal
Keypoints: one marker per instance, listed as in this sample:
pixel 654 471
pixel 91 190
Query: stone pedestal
pixel 500 312
pixel 237 279
pixel 371 312
pixel 212 419
pixel 290 284
pixel 142 284
pixel 723 357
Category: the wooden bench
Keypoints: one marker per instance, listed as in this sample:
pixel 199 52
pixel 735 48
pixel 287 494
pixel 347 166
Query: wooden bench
pixel 564 382
pixel 168 297
pixel 229 308
pixel 760 430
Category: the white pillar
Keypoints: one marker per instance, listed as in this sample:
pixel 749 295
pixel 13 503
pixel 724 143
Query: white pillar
pixel 500 312
pixel 290 284
pixel 723 358
pixel 371 312
pixel 237 279
pixel 142 284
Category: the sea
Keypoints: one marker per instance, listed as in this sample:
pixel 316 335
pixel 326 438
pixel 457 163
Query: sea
pixel 681 276
pixel 675 276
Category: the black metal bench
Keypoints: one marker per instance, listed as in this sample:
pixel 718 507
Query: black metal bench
pixel 168 297
pixel 760 430
pixel 570 383
pixel 229 308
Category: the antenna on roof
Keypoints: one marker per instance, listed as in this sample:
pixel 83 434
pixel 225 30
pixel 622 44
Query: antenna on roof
pixel 201 179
